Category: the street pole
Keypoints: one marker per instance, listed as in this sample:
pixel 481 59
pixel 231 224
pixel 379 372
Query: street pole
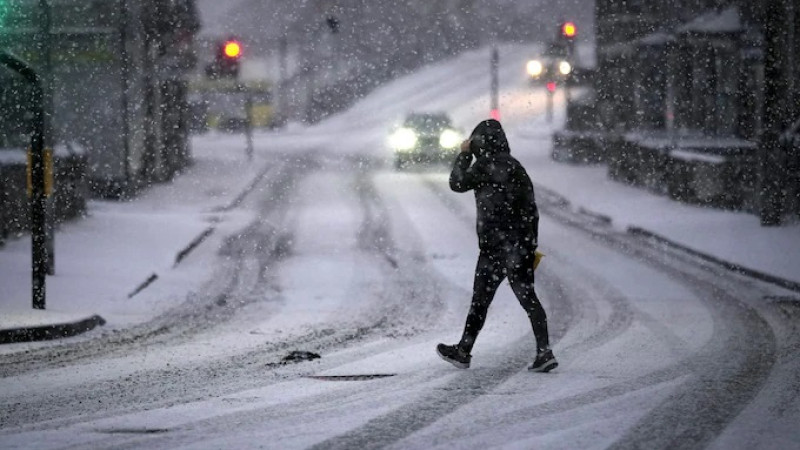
pixel 568 76
pixel 776 120
pixel 39 250
pixel 48 139
pixel 124 84
pixel 280 98
pixel 310 87
pixel 495 83
pixel 248 126
pixel 36 166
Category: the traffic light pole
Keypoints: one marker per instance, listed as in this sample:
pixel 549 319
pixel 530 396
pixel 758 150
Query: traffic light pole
pixel 248 126
pixel 568 32
pixel 495 83
pixel 38 200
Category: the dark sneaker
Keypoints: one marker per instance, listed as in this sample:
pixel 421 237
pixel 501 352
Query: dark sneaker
pixel 454 355
pixel 545 362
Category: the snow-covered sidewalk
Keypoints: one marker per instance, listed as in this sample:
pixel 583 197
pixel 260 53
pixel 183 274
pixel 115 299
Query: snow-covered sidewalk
pixel 104 260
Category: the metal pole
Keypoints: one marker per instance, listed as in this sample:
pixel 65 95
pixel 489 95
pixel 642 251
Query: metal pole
pixel 38 205
pixel 124 84
pixel 776 120
pixel 38 199
pixel 282 76
pixel 48 138
pixel 567 94
pixel 310 87
pixel 495 83
pixel 248 126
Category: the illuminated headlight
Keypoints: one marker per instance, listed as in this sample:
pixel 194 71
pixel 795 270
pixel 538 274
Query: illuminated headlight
pixel 535 68
pixel 450 139
pixel 403 139
pixel 564 67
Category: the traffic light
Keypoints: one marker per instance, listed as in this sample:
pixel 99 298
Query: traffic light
pixel 569 30
pixel 226 59
pixel 232 49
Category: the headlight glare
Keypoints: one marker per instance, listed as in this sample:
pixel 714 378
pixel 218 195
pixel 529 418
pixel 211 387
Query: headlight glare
pixel 403 139
pixel 564 67
pixel 535 68
pixel 450 139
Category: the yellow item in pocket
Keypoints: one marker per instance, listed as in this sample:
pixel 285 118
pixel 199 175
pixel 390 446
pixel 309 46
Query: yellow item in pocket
pixel 537 257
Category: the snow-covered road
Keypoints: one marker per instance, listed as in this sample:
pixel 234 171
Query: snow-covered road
pixel 370 268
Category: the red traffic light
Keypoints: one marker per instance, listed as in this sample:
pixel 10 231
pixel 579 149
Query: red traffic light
pixel 568 29
pixel 232 49
pixel 551 86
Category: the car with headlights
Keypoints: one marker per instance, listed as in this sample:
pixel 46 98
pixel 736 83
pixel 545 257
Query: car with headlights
pixel 425 137
pixel 553 65
pixel 542 70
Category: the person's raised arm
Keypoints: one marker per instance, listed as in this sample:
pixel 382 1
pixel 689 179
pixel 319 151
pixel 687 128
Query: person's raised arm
pixel 463 177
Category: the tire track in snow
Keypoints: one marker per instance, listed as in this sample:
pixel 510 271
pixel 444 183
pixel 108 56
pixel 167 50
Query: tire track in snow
pixel 389 316
pixel 404 273
pixel 623 314
pixel 725 374
pixel 234 286
pixel 471 386
pixel 687 410
pixel 465 387
pixel 183 319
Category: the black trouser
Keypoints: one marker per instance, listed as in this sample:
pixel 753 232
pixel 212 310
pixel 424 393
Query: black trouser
pixel 505 255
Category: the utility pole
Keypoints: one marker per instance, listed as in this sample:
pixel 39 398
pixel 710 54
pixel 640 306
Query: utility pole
pixel 777 119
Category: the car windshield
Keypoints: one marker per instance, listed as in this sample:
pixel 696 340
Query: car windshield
pixel 428 122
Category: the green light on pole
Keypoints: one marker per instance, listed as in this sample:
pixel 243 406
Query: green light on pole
pixel 4 9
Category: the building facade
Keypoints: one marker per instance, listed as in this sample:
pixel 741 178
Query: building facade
pixel 115 74
pixel 699 100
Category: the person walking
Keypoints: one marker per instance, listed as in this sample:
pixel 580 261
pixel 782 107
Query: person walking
pixel 508 231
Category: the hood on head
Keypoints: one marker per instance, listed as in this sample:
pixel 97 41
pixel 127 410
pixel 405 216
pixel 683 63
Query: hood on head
pixel 488 138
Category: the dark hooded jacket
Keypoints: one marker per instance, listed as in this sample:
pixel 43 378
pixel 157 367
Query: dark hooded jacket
pixel 503 190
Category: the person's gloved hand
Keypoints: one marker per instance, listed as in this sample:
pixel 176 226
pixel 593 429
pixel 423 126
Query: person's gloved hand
pixel 537 258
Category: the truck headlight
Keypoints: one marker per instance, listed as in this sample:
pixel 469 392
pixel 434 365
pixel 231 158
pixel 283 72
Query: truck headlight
pixel 403 139
pixel 450 139
pixel 564 67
